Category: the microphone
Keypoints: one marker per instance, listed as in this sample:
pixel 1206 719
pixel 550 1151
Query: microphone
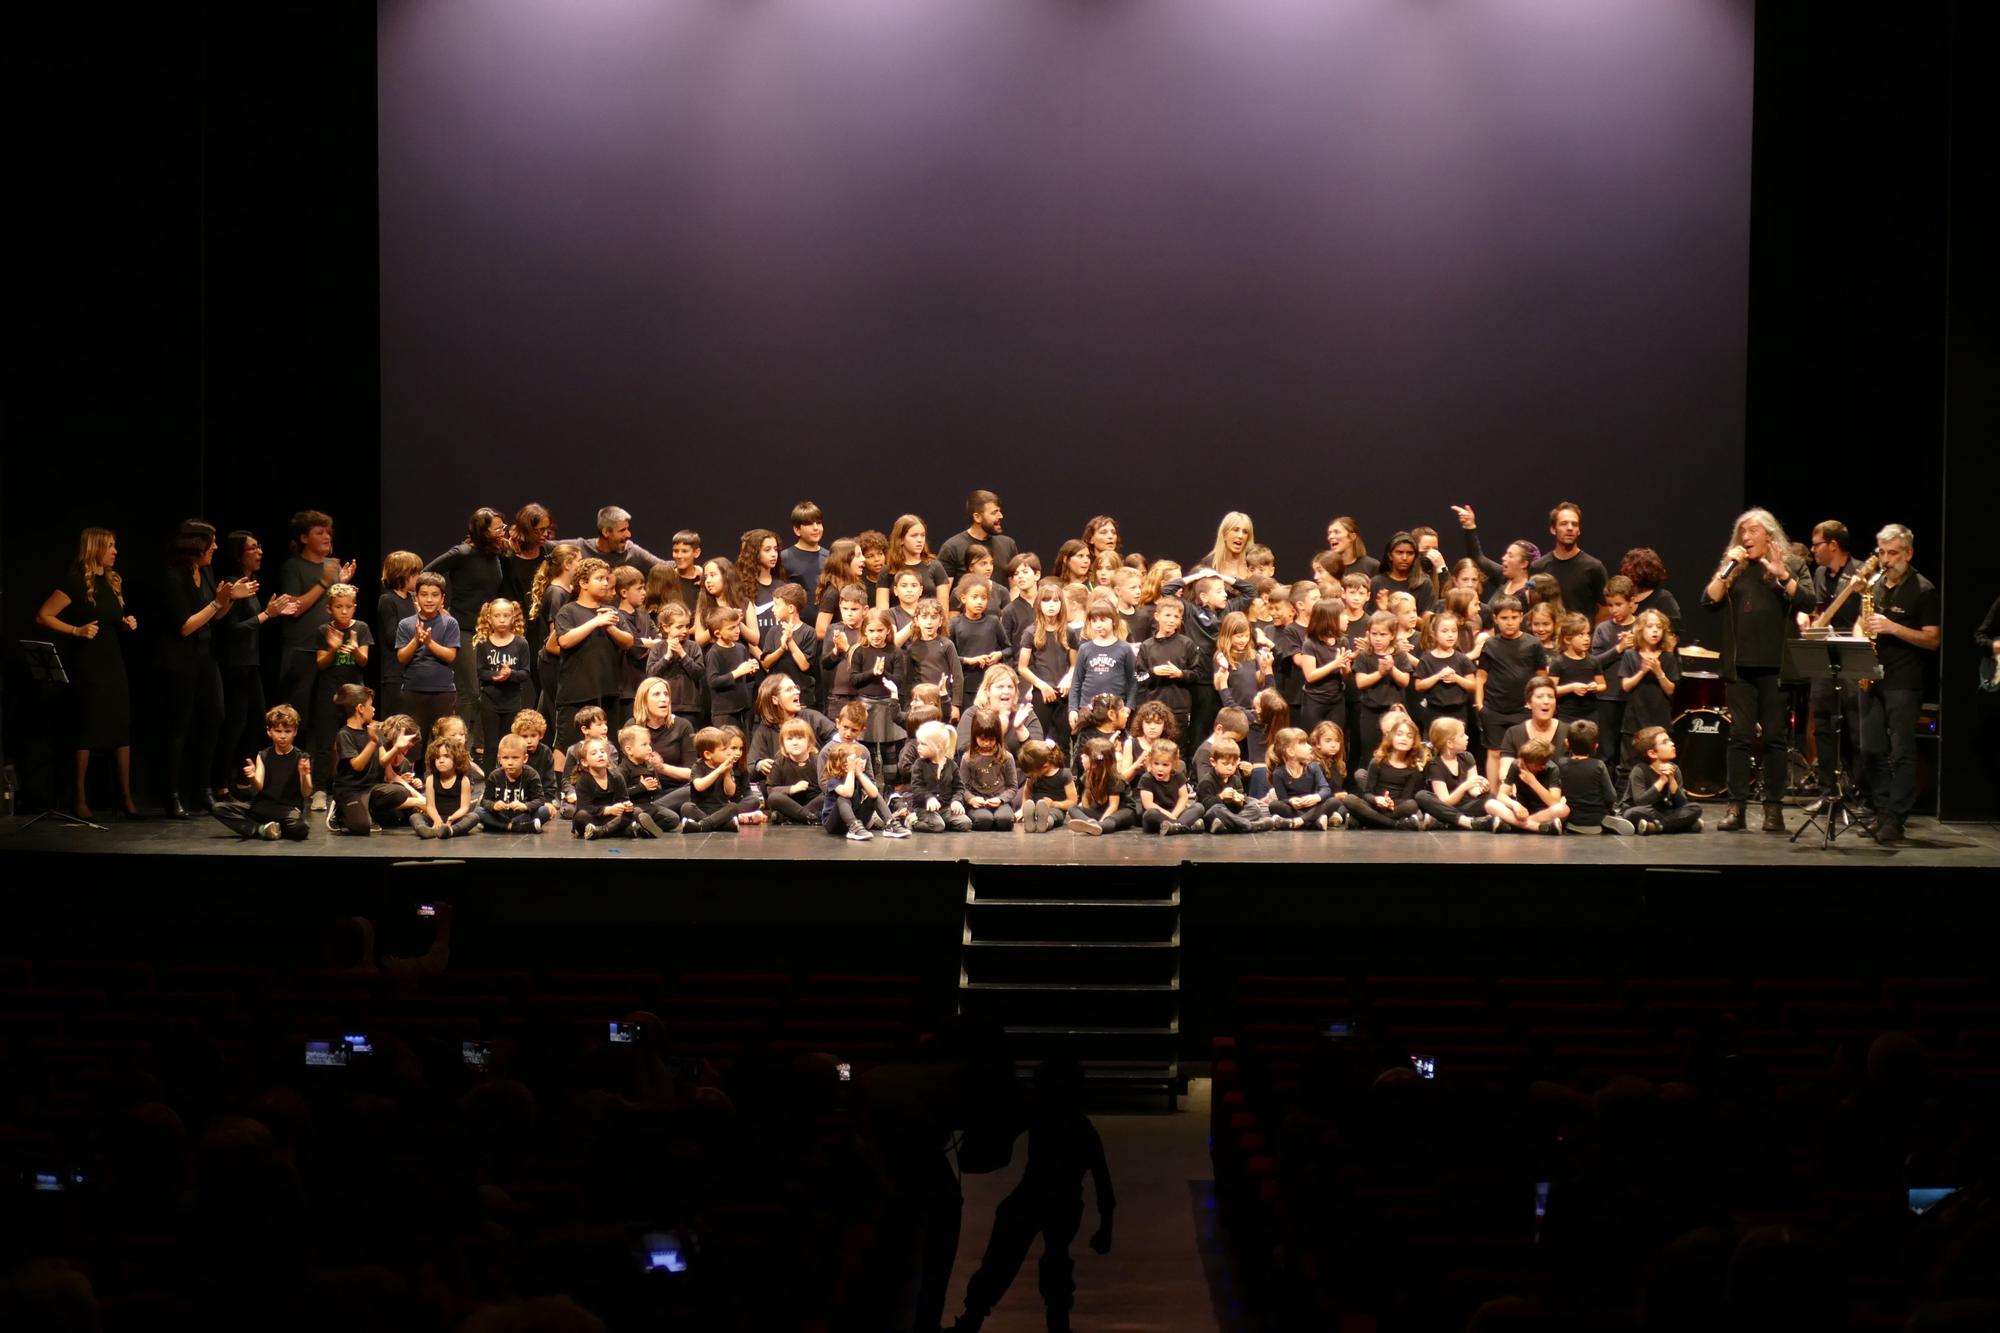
pixel 1728 568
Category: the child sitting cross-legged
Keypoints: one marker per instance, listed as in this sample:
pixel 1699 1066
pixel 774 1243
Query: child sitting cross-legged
pixel 1658 797
pixel 851 800
pixel 513 800
pixel 1531 800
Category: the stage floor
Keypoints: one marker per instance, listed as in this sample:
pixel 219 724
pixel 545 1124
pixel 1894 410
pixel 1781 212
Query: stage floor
pixel 1930 846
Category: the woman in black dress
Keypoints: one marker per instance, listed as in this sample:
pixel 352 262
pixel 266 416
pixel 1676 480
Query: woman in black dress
pixel 192 686
pixel 239 656
pixel 85 614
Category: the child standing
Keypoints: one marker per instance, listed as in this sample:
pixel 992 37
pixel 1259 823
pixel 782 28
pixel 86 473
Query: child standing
pixel 790 650
pixel 1241 667
pixel 1609 643
pixel 591 639
pixel 678 662
pixel 512 801
pixel 427 646
pixel 1323 663
pixel 1046 656
pixel 341 658
pixel 1648 674
pixel 503 664
pixel 976 636
pixel 1508 660
pixel 731 663
pixel 1578 679
pixel 1381 673
pixel 876 670
pixel 1445 677
pixel 1105 664
pixel 1658 799
pixel 280 779
pixel 1166 660
pixel 397 603
pixel 447 793
pixel 931 660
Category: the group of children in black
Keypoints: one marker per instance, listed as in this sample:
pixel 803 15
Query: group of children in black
pixel 862 687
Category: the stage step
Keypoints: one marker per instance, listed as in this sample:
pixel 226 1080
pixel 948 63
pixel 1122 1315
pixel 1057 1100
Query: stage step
pixel 1079 962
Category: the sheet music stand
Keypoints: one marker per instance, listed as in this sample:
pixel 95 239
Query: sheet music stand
pixel 45 667
pixel 1832 657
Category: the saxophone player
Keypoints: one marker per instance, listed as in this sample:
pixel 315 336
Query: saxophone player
pixel 1833 565
pixel 1906 626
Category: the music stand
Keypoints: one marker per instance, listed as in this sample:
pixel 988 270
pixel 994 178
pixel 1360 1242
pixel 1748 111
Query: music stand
pixel 1833 657
pixel 45 667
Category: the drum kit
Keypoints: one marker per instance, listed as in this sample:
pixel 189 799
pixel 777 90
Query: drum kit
pixel 1701 732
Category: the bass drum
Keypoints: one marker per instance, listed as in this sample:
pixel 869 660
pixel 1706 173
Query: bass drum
pixel 1701 735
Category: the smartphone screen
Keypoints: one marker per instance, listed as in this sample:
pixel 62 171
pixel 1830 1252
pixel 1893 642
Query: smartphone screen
pixel 1340 1030
pixel 1929 1197
pixel 476 1054
pixel 326 1054
pixel 357 1043
pixel 1425 1065
pixel 846 1071
pixel 427 909
pixel 665 1251
pixel 622 1032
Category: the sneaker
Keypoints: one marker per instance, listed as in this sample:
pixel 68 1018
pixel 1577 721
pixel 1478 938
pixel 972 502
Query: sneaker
pixel 897 829
pixel 856 833
pixel 1336 819
pixel 319 802
pixel 1077 824
pixel 1651 827
pixel 332 819
pixel 269 832
pixel 1425 823
pixel 1320 823
pixel 1216 825
pixel 538 823
pixel 1495 824
pixel 1698 826
pixel 1408 823
pixel 589 832
pixel 1554 826
pixel 1618 824
pixel 1168 829
pixel 444 830
pixel 753 818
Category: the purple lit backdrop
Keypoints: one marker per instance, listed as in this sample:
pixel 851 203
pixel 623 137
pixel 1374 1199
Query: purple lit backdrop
pixel 1161 259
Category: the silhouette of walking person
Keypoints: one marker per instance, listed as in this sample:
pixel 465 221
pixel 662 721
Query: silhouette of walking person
pixel 1062 1146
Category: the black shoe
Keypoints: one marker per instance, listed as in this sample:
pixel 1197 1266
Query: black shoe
pixel 206 801
pixel 1774 819
pixel 1734 820
pixel 174 809
pixel 1888 829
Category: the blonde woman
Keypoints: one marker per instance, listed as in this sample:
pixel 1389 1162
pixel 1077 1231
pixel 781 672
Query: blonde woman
pixel 85 613
pixel 1760 587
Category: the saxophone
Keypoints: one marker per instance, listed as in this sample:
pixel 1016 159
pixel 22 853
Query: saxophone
pixel 1861 623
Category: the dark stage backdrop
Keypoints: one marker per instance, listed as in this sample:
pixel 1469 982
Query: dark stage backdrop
pixel 1162 259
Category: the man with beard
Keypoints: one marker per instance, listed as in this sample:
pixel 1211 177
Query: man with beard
pixel 983 507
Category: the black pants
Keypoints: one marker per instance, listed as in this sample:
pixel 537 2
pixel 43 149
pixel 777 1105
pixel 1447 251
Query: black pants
pixel 859 809
pixel 380 805
pixel 512 821
pixel 714 821
pixel 1156 819
pixel 193 710
pixel 1849 749
pixel 1016 1223
pixel 1758 703
pixel 1889 748
pixel 1364 809
pixel 1232 817
pixel 1449 815
pixel 244 818
pixel 789 809
pixel 427 707
pixel 1680 819
pixel 242 733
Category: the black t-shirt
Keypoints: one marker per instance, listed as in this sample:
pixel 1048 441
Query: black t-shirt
pixel 1417 583
pixel 1176 650
pixel 671 743
pixel 592 796
pixel 1586 785
pixel 472 579
pixel 1211 788
pixel 976 638
pixel 1648 705
pixel 1518 735
pixel 1330 688
pixel 184 597
pixel 1384 693
pixel 345 669
pixel 1017 624
pixel 1757 616
pixel 1445 694
pixel 802 567
pixel 1400 784
pixel 517 577
pixel 1050 787
pixel 1114 786
pixel 589 669
pixel 1581 578
pixel 716 796
pixel 281 778
pixel 1912 604
pixel 1551 779
pixel 1569 670
pixel 1287 641
pixel 348 743
pixel 391 610
pixel 1051 661
pixel 502 789
pixel 1439 771
pixel 509 695
pixel 727 692
pixel 1509 665
pixel 952 554
pixel 297 577
pixel 1827 585
pixel 1164 794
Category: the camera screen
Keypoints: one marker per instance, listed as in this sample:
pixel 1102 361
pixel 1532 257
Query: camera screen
pixel 623 1032
pixel 665 1251
pixel 1425 1065
pixel 1923 1200
pixel 476 1054
pixel 326 1054
pixel 357 1043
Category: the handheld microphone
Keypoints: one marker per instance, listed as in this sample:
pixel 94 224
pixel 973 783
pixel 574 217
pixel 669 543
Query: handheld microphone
pixel 1728 568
